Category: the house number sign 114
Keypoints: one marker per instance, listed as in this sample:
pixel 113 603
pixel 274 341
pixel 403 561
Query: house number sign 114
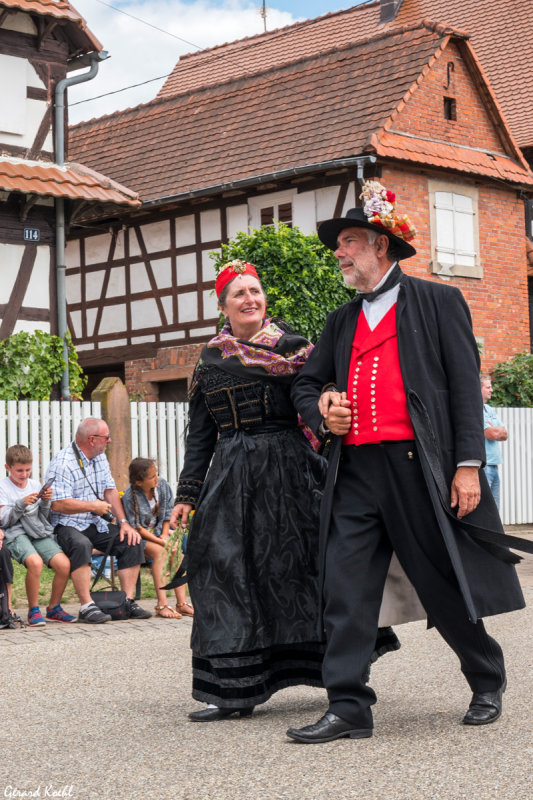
pixel 32 234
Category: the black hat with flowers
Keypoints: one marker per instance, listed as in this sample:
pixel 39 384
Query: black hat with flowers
pixel 376 214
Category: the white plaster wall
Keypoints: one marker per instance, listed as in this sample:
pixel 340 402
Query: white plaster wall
pixel 162 269
pixel 93 285
pixel 10 258
pixel 186 269
pixel 72 253
pixel 325 202
pixel 97 249
pixel 187 307
pixel 172 335
pixel 117 282
pixel 167 306
pixel 208 266
pixel 73 289
pixel 304 212
pixel 113 320
pixel 156 236
pixel 13 99
pixel 210 225
pixel 75 317
pixel 145 314
pixel 19 22
pixel 141 339
pixel 30 327
pixel 210 304
pixel 205 331
pixel 38 291
pixel 113 343
pixel 185 231
pixel 237 220
pixel 139 279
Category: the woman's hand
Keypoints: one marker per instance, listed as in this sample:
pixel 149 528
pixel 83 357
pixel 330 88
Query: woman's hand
pixel 180 515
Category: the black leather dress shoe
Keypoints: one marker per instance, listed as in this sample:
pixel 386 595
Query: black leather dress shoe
pixel 214 714
pixel 327 729
pixel 485 707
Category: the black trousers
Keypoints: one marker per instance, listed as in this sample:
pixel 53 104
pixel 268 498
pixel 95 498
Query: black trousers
pixel 78 546
pixel 381 504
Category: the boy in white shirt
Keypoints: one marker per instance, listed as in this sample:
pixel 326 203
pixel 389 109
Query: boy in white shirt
pixel 24 518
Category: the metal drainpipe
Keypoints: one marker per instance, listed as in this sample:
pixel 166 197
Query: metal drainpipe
pixel 59 146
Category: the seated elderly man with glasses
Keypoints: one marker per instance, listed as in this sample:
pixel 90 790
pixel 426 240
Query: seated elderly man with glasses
pixel 85 500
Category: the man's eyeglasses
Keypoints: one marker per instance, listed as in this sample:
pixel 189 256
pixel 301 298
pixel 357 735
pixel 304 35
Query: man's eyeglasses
pixel 101 436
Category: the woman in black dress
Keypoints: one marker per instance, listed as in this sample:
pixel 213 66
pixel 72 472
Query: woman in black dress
pixel 254 480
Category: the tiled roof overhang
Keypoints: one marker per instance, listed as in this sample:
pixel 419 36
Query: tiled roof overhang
pixel 72 181
pixel 62 12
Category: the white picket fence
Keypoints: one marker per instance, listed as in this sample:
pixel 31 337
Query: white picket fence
pixel 158 431
pixel 516 473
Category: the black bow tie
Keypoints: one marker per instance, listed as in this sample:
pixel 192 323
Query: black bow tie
pixel 391 281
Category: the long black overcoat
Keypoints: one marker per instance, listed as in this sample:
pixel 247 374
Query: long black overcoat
pixel 439 362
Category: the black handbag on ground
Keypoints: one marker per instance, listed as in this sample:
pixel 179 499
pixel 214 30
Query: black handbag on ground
pixel 110 600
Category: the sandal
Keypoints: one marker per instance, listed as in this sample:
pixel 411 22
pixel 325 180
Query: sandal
pixel 170 613
pixel 185 609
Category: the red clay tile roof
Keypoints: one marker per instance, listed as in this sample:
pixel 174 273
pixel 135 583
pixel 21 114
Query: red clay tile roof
pixel 501 33
pixel 73 181
pixel 64 12
pixel 319 109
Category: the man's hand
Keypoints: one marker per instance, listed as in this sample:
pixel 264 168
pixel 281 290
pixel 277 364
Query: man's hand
pixel 100 507
pixel 336 411
pixel 1 537
pixel 180 515
pixel 465 490
pixel 30 499
pixel 129 534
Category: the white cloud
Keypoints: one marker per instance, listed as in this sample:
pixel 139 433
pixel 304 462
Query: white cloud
pixel 139 53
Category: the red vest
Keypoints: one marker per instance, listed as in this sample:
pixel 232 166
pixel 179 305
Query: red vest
pixel 375 385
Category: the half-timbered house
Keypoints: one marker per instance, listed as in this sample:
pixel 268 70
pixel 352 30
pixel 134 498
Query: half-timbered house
pixel 285 125
pixel 40 42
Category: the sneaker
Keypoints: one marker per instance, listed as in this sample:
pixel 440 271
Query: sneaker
pixel 35 618
pixel 136 612
pixel 57 614
pixel 93 615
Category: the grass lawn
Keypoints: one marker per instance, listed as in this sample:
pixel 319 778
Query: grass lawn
pixel 19 592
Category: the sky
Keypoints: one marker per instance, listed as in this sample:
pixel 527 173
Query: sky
pixel 139 53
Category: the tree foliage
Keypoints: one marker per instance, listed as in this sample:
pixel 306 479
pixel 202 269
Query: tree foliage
pixel 512 381
pixel 300 276
pixel 32 363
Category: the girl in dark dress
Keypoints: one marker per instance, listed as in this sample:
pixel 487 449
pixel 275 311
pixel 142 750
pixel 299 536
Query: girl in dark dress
pixel 255 481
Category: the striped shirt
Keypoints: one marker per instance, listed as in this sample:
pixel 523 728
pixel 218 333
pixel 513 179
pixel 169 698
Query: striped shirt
pixel 71 483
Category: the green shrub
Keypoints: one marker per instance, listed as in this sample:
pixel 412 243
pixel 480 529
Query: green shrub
pixel 512 381
pixel 32 363
pixel 300 276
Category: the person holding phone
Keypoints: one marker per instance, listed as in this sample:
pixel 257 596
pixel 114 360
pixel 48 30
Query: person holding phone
pixel 29 536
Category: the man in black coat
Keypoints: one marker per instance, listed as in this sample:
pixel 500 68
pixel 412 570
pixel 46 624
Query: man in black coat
pixel 395 376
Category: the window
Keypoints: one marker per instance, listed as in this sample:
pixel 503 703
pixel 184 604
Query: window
pixel 12 94
pixel 282 213
pixel 529 217
pixel 268 208
pixel 450 108
pixel 454 229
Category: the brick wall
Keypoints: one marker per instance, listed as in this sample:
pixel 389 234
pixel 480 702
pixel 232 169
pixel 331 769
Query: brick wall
pixel 499 301
pixel 184 356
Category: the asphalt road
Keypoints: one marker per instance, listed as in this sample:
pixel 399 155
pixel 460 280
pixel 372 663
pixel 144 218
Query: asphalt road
pixel 101 712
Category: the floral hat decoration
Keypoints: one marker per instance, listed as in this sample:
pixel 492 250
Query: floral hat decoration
pixel 377 214
pixel 231 270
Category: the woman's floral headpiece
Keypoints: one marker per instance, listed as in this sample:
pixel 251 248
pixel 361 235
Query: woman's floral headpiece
pixel 379 204
pixel 231 270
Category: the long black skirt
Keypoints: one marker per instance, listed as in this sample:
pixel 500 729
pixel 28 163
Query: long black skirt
pixel 253 569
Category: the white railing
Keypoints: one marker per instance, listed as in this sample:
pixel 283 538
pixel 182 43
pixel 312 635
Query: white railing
pixel 45 427
pixel 158 431
pixel 516 472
